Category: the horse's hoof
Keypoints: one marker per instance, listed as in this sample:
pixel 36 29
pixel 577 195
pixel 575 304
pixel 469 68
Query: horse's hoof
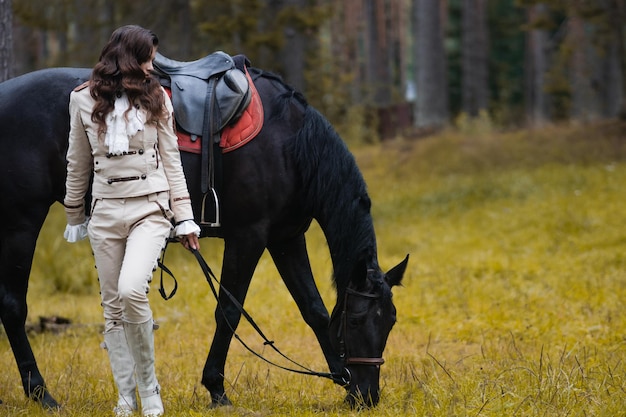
pixel 220 401
pixel 43 397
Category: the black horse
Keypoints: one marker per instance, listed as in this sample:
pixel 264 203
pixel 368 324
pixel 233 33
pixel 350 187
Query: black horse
pixel 296 169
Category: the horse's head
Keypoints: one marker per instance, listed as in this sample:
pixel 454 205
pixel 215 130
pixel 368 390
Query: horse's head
pixel 359 327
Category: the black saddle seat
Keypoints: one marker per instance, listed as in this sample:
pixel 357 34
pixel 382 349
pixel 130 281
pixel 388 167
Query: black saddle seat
pixel 203 68
pixel 196 85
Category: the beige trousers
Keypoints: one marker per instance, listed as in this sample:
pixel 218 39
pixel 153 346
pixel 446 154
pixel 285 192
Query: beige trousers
pixel 127 236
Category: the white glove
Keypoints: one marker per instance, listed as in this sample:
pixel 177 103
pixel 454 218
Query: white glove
pixel 76 232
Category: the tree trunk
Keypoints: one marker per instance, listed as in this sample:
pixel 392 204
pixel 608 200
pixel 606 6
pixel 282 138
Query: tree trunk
pixel 344 29
pixel 293 53
pixel 431 106
pixel 618 16
pixel 87 44
pixel 378 64
pixel 474 54
pixel 535 69
pixel 6 40
pixel 584 104
pixel 609 77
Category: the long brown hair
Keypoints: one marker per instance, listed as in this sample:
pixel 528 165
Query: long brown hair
pixel 119 70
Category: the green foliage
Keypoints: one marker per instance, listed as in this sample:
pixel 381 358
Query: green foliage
pixel 305 19
pixel 51 15
pixel 239 27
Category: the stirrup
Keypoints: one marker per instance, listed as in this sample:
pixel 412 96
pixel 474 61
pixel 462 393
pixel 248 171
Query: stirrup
pixel 213 202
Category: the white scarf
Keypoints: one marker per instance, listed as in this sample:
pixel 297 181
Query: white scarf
pixel 121 127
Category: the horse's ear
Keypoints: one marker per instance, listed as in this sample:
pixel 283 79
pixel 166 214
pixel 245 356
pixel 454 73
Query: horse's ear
pixel 395 274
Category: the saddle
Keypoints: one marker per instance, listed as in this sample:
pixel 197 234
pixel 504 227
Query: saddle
pixel 198 85
pixel 207 95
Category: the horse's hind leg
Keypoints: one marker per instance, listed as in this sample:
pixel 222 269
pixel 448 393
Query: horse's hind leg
pixel 16 255
pixel 292 261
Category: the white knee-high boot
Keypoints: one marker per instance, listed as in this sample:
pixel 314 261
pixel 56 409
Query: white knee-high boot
pixel 123 369
pixel 141 342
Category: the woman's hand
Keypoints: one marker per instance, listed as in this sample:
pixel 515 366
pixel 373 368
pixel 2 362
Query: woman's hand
pixel 190 241
pixel 187 232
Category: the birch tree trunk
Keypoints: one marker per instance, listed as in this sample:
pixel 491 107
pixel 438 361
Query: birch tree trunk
pixel 474 55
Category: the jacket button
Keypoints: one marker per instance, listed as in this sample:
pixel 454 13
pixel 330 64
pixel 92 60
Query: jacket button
pixel 110 181
pixel 140 151
pixel 143 176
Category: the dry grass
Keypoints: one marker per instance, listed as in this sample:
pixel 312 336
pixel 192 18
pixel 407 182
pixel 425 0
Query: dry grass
pixel 512 304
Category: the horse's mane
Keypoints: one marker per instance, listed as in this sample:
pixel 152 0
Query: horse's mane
pixel 284 98
pixel 335 194
pixel 333 190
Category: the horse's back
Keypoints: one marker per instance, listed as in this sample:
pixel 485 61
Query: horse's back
pixel 35 124
pixel 37 100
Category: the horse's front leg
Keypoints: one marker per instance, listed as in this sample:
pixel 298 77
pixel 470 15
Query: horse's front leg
pixel 292 260
pixel 16 255
pixel 240 259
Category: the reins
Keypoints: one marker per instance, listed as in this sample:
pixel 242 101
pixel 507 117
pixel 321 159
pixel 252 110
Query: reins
pixel 210 277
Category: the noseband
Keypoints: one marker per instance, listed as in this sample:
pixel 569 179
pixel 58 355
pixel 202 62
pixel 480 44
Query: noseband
pixel 344 351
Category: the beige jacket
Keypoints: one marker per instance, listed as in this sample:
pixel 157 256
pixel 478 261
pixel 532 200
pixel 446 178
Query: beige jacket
pixel 151 165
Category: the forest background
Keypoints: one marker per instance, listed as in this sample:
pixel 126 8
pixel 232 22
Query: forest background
pixel 375 68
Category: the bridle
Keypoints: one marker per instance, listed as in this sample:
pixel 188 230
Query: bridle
pixel 344 349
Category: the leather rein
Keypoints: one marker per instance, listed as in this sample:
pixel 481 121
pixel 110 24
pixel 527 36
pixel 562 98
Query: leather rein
pixel 343 378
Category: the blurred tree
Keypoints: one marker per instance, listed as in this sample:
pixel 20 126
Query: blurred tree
pixel 585 73
pixel 72 32
pixel 506 62
pixel 367 40
pixel 586 57
pixel 277 35
pixel 536 66
pixel 431 108
pixel 6 40
pixel 474 41
pixel 377 68
pixel 616 10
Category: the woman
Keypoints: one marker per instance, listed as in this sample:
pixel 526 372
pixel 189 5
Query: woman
pixel 122 131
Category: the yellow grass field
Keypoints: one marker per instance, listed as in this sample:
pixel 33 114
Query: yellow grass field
pixel 513 303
